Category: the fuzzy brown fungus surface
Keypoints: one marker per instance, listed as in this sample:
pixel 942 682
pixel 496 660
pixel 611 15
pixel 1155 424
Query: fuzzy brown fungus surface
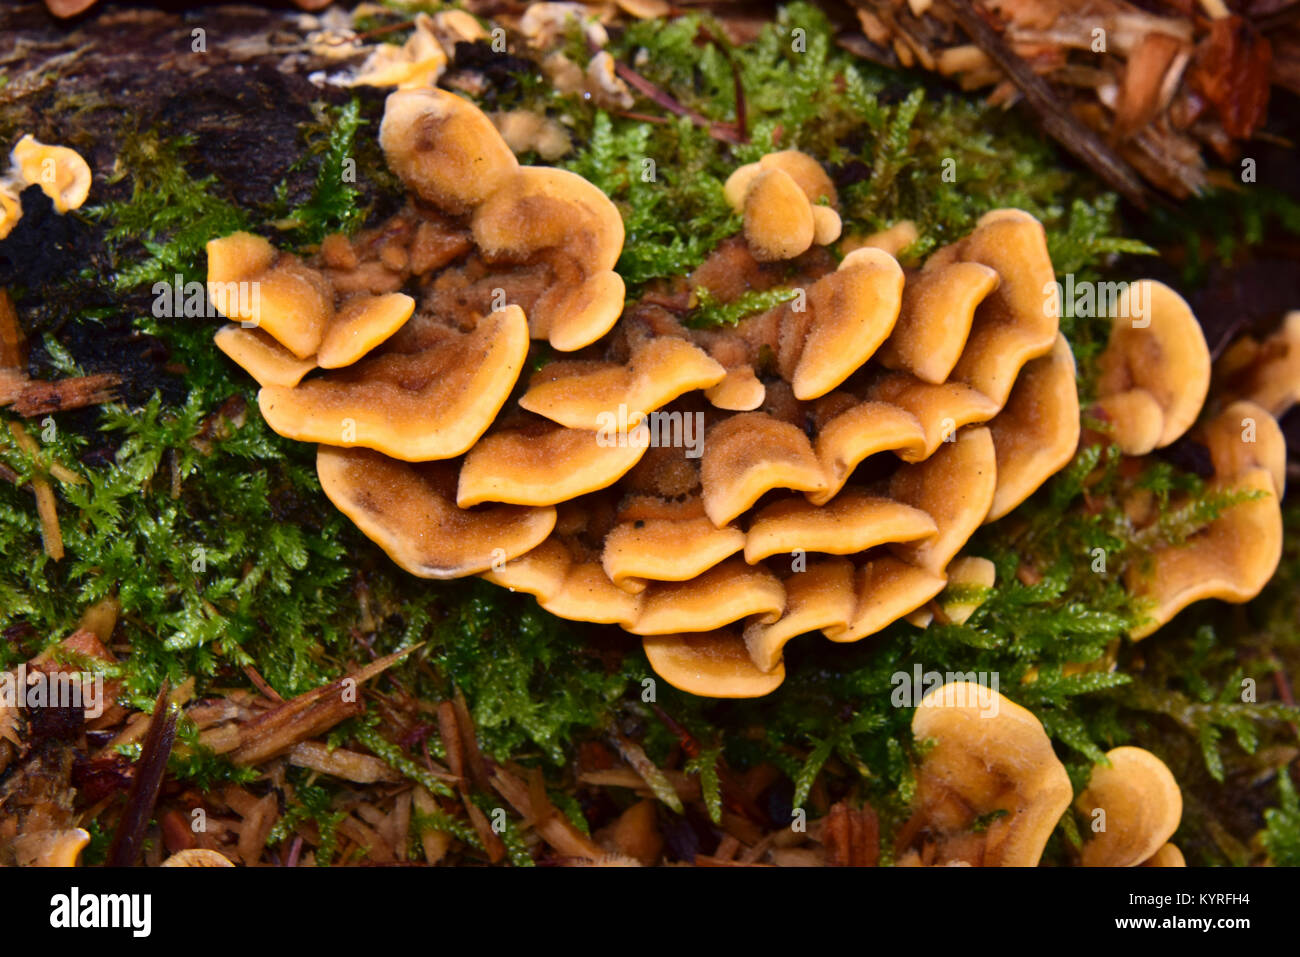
pixel 261 356
pixel 444 148
pixel 1234 555
pixel 788 203
pixel 410 511
pixel 1037 433
pixel 248 280
pixel 429 405
pixel 1266 372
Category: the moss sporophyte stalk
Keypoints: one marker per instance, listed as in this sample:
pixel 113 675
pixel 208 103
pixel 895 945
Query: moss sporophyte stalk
pixel 291 591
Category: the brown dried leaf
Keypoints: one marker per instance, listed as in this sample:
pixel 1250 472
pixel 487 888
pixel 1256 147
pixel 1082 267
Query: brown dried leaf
pixel 1231 70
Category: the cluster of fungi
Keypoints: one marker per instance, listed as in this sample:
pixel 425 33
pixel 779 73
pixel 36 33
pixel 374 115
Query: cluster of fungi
pixel 853 437
pixel 990 791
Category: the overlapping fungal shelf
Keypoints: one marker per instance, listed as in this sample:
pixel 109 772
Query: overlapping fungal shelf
pixel 853 437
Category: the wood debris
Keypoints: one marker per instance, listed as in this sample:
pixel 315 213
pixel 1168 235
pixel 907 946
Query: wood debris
pixel 277 730
pixel 31 397
pixel 46 508
pixel 1139 93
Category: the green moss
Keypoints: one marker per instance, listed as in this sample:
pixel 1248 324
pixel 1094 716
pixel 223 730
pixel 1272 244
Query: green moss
pixel 334 205
pixel 710 312
pixel 1281 838
pixel 667 185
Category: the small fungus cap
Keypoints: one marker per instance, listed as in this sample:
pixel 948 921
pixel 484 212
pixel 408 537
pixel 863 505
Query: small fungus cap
pixel 1013 323
pixel 666 549
pixel 261 356
pixel 747 456
pixel 60 172
pixel 566 586
pixel 807 173
pixel 725 593
pixel 1234 556
pixel 581 395
pixel 820 597
pixel 778 217
pixel 429 405
pixel 938 308
pixel 1142 804
pixel 1156 346
pixel 853 311
pixel 714 664
pixel 543 208
pixel 277 293
pixel 411 513
pixel 544 466
pixel 852 522
pixel 989 755
pixel 1036 433
pixel 362 323
pixel 1268 372
pixel 955 486
pixel 444 148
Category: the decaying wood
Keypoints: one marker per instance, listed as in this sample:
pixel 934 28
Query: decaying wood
pixel 1052 112
pixel 1137 92
pixel 554 828
pixel 852 836
pixel 276 731
pixel 128 839
pixel 30 398
pixel 341 763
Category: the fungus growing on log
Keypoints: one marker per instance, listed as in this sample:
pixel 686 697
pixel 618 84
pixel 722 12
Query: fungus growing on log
pixel 411 513
pixel 667 479
pixel 711 664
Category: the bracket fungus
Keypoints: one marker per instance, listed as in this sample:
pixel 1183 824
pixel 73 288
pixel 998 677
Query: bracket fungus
pixel 989 758
pixel 990 791
pixel 1155 371
pixel 1266 372
pixel 814 468
pixel 1135 806
pixel 416 63
pixel 410 512
pixel 788 203
pixel 1235 555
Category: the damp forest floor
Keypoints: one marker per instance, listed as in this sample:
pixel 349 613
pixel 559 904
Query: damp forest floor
pixel 233 577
